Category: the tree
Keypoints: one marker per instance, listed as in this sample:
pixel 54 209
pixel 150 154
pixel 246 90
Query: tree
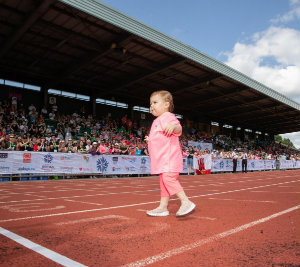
pixel 288 142
pixel 285 141
pixel 278 138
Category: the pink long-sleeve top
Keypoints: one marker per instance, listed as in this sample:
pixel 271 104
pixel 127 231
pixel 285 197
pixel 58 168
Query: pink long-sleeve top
pixel 165 152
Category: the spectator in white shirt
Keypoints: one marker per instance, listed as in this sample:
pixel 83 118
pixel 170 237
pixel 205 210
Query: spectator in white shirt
pixel 234 157
pixel 244 161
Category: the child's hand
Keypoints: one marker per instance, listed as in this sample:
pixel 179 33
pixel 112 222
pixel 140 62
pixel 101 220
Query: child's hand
pixel 169 129
pixel 146 138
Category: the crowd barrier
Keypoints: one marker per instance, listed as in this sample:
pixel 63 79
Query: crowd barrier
pixel 16 162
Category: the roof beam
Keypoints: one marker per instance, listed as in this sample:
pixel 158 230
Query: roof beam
pixel 273 122
pixel 272 108
pixel 249 102
pixel 207 79
pixel 30 20
pixel 221 96
pixel 86 60
pixel 69 11
pixel 278 116
pixel 280 128
pixel 144 75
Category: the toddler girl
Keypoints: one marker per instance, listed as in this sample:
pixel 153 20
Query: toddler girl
pixel 165 153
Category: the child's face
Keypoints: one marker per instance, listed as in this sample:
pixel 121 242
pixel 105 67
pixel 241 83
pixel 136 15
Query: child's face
pixel 158 106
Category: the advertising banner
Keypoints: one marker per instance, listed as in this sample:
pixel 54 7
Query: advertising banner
pixel 17 162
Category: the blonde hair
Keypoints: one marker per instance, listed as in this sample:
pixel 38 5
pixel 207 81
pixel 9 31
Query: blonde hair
pixel 167 97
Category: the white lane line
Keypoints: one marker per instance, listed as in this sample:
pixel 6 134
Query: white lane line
pixel 31 195
pixel 140 204
pixel 246 200
pixel 80 196
pixel 84 202
pixel 94 219
pixel 176 251
pixel 203 218
pixel 118 193
pixel 275 192
pixel 288 192
pixel 78 211
pixel 142 210
pixel 49 254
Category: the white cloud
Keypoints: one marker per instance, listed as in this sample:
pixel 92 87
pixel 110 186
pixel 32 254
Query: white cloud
pixel 272 57
pixel 292 14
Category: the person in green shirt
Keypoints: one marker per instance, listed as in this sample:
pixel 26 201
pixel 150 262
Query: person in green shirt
pixel 11 144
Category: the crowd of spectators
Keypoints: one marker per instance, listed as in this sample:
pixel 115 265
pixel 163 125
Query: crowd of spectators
pixel 255 149
pixel 48 130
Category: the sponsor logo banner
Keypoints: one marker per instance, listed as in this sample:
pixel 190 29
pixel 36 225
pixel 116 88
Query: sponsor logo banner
pixel 40 162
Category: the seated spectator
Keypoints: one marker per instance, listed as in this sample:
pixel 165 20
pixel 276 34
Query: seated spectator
pixel 23 127
pixel 138 150
pixel 123 149
pixel 81 148
pixel 88 146
pixel 61 145
pixel 69 147
pixel 42 145
pixel 53 143
pixel 103 149
pixel 31 108
pixel 116 149
pixel 145 151
pixel 52 116
pixel 95 149
pixel 11 143
pixel 44 111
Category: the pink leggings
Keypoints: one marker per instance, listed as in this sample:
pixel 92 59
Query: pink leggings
pixel 169 184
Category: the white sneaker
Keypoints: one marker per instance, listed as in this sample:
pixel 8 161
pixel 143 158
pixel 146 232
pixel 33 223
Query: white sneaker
pixel 158 212
pixel 185 208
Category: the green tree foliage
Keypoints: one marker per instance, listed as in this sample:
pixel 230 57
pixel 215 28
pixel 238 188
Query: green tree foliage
pixel 285 141
pixel 278 138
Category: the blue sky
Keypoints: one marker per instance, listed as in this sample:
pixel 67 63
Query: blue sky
pixel 260 38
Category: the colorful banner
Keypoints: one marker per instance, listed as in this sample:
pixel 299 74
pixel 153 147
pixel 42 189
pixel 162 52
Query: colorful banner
pixel 289 164
pixel 14 162
pixel 206 161
pixel 225 165
pixel 69 163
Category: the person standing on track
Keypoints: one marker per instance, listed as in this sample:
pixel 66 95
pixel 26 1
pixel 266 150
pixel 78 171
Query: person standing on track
pixel 190 160
pixel 234 157
pixel 244 161
pixel 165 154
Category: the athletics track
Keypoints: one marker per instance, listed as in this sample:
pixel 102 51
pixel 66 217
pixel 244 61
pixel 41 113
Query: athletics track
pixel 249 219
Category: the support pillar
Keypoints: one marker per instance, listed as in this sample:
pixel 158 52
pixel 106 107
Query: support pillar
pixel 93 105
pixel 45 96
pixel 130 113
pixel 221 127
pixel 233 132
pixel 242 134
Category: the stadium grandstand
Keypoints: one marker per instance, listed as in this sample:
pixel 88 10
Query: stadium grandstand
pixel 78 74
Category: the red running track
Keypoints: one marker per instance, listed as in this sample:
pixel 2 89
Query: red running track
pixel 249 219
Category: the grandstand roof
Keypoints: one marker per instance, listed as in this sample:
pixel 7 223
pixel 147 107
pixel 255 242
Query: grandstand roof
pixel 86 47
